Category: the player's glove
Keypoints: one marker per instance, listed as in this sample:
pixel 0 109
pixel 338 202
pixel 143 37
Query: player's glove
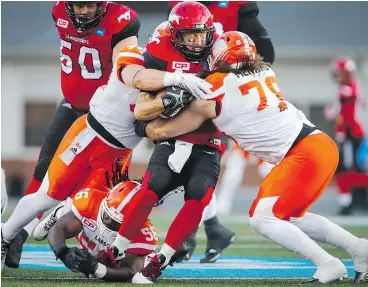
pixel 71 257
pixel 176 98
pixel 110 256
pixel 89 265
pixel 197 87
pixel 140 128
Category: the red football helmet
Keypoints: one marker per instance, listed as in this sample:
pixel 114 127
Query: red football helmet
pixel 83 22
pixel 110 214
pixel 191 17
pixel 234 48
pixel 343 69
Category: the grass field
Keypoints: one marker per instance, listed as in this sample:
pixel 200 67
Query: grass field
pixel 255 259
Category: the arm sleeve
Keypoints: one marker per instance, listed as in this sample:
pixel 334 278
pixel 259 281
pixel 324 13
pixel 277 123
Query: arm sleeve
pixel 131 29
pixel 151 62
pixel 250 25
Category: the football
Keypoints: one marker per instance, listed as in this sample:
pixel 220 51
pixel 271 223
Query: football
pixel 169 113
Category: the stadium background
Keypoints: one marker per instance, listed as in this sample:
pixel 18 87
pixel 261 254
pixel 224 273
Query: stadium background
pixel 306 36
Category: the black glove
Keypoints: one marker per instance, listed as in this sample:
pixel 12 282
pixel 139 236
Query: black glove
pixel 176 98
pixel 89 266
pixel 71 257
pixel 140 128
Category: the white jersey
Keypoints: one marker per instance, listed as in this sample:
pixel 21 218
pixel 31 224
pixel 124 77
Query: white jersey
pixel 113 105
pixel 255 114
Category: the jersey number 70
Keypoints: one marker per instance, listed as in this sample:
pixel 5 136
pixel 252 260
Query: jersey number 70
pixel 271 85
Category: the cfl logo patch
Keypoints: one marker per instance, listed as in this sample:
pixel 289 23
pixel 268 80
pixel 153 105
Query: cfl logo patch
pixel 181 66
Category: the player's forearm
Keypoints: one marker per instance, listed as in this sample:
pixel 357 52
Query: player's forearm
pixel 57 236
pixel 150 80
pixel 147 111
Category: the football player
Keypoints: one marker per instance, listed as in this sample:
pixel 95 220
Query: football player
pixel 91 35
pixel 98 139
pixel 192 160
pixel 240 16
pixel 349 131
pixel 249 107
pixel 94 220
pixel 218 236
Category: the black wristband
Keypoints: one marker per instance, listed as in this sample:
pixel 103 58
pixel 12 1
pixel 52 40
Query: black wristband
pixel 140 129
pixel 60 251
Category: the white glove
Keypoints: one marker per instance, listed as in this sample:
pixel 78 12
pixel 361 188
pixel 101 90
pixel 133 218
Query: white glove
pixel 199 88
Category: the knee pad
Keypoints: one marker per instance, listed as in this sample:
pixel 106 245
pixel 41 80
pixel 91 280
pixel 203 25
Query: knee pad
pixel 263 215
pixel 264 209
pixel 200 188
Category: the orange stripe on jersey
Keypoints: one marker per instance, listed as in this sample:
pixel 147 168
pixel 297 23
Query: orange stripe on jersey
pixel 130 54
pixel 217 82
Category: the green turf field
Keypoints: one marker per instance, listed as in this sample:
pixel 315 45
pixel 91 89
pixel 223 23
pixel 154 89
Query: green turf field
pixel 248 243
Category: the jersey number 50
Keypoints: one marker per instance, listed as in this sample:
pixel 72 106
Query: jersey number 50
pixel 67 67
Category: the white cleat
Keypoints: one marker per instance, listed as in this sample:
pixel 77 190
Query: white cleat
pixel 42 229
pixel 361 260
pixel 331 271
pixel 139 278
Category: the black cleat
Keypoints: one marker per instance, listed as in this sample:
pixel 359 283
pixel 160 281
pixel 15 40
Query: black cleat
pixel 179 254
pixel 14 253
pixel 191 244
pixel 345 210
pixel 315 281
pixel 218 238
pixel 360 277
pixel 310 282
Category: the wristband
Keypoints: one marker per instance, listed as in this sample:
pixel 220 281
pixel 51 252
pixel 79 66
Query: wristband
pixel 101 271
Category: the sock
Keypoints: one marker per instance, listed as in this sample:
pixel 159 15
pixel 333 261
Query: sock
pixel 167 251
pixel 210 210
pixel 321 229
pixel 27 209
pixel 136 213
pixel 33 186
pixel 31 226
pixel 290 237
pixel 184 223
pixel 121 242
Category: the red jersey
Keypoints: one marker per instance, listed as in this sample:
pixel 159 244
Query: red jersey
pixel 161 55
pixel 225 12
pixel 86 57
pixel 349 106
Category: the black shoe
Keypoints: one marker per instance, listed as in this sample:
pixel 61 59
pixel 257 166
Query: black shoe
pixel 179 254
pixel 309 282
pixel 218 238
pixel 346 210
pixel 15 250
pixel 4 249
pixel 360 277
pixel 191 244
